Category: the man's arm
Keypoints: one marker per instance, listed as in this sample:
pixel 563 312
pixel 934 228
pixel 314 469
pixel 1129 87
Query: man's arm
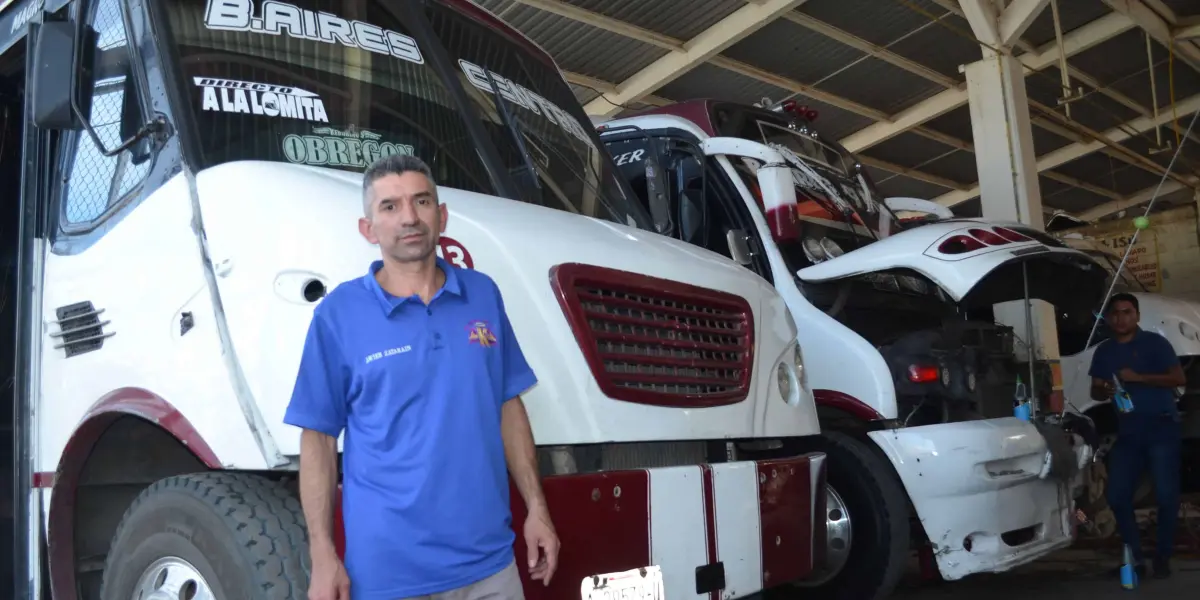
pixel 1102 386
pixel 318 406
pixel 1167 371
pixel 521 455
pixel 541 540
pixel 1174 377
pixel 318 484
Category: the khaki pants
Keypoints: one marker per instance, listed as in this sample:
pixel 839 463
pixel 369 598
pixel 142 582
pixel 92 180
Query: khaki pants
pixel 505 585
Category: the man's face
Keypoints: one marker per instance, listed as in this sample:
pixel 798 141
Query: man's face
pixel 406 219
pixel 1122 317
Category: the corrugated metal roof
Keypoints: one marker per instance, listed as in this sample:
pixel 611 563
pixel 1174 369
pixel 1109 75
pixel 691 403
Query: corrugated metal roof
pixel 958 166
pixel 574 45
pixel 789 50
pixel 955 123
pixel 875 21
pixel 1137 87
pixel 970 208
pixel 919 30
pixel 680 19
pixel 939 49
pixel 908 150
pixel 881 85
pixel 1073 200
pixel 1072 14
pixel 891 184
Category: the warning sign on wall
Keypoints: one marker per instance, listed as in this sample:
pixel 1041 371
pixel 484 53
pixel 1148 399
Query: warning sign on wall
pixel 1143 259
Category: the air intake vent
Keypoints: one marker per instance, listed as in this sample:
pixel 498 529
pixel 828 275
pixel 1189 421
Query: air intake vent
pixel 80 328
pixel 656 341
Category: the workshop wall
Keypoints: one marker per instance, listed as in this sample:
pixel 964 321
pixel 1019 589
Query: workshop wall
pixel 1166 257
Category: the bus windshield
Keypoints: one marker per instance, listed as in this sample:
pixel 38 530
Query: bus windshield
pixel 339 84
pixel 830 185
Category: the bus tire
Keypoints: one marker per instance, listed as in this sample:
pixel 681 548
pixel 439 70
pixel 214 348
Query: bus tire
pixel 877 507
pixel 241 535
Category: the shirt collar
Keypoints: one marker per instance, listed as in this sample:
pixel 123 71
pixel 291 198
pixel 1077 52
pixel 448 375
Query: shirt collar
pixel 390 303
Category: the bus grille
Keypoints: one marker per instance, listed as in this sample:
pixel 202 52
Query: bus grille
pixel 656 341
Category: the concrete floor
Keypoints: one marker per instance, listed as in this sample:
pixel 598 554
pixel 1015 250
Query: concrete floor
pixel 1083 572
pixel 1068 575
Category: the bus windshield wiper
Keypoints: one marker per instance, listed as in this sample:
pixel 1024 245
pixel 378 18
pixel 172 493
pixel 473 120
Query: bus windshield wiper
pixel 514 129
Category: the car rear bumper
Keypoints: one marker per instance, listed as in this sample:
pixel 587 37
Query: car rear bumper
pixel 976 488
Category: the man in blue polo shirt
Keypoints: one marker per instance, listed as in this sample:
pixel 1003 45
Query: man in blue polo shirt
pixel 1151 434
pixel 417 362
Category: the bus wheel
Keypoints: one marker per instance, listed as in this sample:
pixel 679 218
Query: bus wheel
pixel 867 519
pixel 210 536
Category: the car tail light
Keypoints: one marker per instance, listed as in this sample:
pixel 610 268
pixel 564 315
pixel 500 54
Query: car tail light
pixel 1011 235
pixel 988 237
pixel 922 373
pixel 960 244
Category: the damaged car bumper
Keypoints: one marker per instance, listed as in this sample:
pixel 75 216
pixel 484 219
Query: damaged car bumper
pixel 991 494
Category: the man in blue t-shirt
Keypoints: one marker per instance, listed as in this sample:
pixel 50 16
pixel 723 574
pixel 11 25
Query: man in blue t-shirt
pixel 1151 434
pixel 417 363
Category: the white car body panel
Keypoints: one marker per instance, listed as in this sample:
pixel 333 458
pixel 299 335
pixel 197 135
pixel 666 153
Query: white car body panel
pixel 917 249
pixel 941 466
pixel 979 479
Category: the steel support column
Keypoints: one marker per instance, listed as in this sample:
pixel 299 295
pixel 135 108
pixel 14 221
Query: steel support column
pixel 1009 190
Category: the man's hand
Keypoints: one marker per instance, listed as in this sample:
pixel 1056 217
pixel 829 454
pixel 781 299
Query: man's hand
pixel 329 580
pixel 1129 375
pixel 539 533
pixel 1102 389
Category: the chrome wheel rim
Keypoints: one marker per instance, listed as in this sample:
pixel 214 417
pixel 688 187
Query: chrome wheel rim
pixel 838 537
pixel 172 578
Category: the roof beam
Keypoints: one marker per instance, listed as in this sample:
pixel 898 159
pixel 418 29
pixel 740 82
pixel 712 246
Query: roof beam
pixel 1187 28
pixel 999 26
pixel 880 52
pixel 1071 152
pixel 605 22
pixel 706 45
pixel 1158 27
pixel 606 87
pixel 937 180
pixel 1017 18
pixel 1146 195
pixel 669 43
pixel 1078 40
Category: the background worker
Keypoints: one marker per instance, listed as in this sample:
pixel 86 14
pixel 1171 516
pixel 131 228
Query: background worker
pixel 1151 434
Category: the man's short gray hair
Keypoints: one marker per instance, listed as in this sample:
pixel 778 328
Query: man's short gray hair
pixel 395 164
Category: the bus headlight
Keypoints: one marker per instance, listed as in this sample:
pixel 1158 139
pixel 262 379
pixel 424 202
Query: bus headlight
pixel 784 380
pixel 798 362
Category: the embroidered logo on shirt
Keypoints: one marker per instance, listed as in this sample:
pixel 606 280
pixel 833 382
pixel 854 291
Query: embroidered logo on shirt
pixel 389 352
pixel 481 334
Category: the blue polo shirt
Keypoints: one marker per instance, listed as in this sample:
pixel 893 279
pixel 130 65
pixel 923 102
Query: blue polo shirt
pixel 418 390
pixel 1148 353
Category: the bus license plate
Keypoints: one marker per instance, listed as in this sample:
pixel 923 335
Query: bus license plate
pixel 635 584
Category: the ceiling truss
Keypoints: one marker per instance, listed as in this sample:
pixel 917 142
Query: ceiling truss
pixel 1011 21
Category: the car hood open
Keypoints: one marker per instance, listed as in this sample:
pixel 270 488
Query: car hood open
pixel 956 255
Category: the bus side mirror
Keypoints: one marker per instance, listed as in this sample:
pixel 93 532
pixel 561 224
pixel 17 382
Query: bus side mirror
pixel 57 82
pixel 739 246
